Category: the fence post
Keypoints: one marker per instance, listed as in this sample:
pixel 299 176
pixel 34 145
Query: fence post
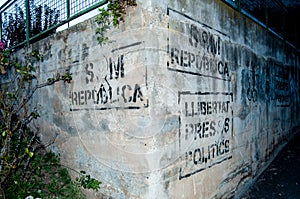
pixel 68 10
pixel 1 25
pixel 266 14
pixel 27 21
pixel 238 5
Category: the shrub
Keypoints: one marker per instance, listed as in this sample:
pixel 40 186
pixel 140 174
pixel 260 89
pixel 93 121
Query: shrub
pixel 26 166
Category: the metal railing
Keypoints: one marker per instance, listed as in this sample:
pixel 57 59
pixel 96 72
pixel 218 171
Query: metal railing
pixel 24 21
pixel 271 14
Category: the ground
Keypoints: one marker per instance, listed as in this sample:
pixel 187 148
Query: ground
pixel 282 178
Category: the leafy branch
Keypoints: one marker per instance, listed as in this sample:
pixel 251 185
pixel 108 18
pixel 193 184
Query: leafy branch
pixel 112 14
pixel 87 182
pixel 26 167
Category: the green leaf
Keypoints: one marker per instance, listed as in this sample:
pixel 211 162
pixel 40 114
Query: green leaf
pixel 31 154
pixel 11 95
pixel 35 115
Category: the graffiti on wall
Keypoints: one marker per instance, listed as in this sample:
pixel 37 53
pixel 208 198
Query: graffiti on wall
pixel 109 84
pixel 199 51
pixel 205 121
pixel 205 130
pixel 281 83
pixel 252 82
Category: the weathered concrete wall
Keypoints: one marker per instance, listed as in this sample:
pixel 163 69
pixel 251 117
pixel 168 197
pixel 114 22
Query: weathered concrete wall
pixel 189 100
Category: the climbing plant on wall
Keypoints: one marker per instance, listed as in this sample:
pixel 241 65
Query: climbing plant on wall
pixel 111 15
pixel 27 167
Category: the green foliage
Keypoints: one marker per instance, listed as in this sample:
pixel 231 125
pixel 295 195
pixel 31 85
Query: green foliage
pixel 45 178
pixel 40 17
pixel 14 31
pixel 26 166
pixel 87 182
pixel 110 15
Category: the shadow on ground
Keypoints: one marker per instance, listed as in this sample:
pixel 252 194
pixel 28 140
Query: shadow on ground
pixel 282 178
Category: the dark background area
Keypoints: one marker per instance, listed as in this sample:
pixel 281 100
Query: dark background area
pixel 280 16
pixel 293 21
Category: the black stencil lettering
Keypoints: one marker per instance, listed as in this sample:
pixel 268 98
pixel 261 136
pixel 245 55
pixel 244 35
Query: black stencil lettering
pixel 90 74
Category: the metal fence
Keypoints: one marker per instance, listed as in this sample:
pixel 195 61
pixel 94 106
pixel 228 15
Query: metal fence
pixel 24 21
pixel 272 14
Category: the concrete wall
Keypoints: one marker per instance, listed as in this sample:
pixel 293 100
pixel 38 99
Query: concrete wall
pixel 190 99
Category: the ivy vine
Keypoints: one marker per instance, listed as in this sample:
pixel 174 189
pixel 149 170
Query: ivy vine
pixel 111 15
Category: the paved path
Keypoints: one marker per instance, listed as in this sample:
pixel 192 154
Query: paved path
pixel 282 178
